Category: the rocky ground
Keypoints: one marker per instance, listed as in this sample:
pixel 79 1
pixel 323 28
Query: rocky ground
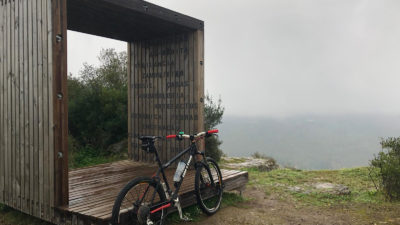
pixel 261 209
pixel 290 196
pixel 261 163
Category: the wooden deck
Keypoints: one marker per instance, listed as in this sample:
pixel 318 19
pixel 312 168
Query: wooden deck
pixel 94 189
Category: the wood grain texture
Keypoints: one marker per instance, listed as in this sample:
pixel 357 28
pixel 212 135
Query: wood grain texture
pixel 60 101
pixel 167 84
pixel 2 106
pixel 93 190
pixel 127 20
pixel 25 177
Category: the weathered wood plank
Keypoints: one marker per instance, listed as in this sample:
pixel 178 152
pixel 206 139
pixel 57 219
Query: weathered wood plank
pixel 199 80
pixel 45 125
pixel 2 157
pixel 169 90
pixel 19 99
pixel 40 105
pixel 12 75
pixel 21 105
pixel 24 95
pixel 95 188
pixel 129 71
pixel 8 111
pixel 51 173
pixel 26 109
pixel 31 93
pixel 60 100
pixel 35 68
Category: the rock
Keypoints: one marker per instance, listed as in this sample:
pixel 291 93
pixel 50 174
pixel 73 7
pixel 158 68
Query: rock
pixel 262 164
pixel 330 188
pixel 295 189
pixel 342 190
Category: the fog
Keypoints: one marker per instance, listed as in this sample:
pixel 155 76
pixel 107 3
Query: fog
pixel 278 58
pixel 312 83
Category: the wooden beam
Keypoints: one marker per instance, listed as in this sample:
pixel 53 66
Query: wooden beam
pixel 60 101
pixel 127 20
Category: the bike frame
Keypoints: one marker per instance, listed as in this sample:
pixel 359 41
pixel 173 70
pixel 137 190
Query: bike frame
pixel 171 196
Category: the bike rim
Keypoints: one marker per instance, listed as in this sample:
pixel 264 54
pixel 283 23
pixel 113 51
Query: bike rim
pixel 210 193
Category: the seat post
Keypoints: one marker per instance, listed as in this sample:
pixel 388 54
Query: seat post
pixel 156 153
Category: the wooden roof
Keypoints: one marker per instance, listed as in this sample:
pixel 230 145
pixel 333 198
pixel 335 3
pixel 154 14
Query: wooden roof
pixel 127 20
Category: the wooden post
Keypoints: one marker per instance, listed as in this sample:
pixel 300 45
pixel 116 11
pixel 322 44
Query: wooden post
pixel 60 101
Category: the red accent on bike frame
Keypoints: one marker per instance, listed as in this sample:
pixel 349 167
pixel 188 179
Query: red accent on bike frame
pixel 161 208
pixel 171 136
pixel 212 131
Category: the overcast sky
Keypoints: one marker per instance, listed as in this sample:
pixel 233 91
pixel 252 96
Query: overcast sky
pixel 289 57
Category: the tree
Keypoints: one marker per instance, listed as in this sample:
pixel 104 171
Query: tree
pixel 98 112
pixel 213 113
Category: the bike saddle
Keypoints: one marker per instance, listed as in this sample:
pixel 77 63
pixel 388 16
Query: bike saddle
pixel 149 138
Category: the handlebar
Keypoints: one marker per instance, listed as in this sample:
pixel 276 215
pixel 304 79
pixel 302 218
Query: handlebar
pixel 181 135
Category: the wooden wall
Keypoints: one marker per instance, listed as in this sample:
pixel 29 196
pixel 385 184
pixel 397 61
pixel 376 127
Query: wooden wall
pixel 166 93
pixel 26 106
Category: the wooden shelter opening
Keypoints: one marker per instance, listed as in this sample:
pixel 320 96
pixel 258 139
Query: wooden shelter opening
pixel 97 100
pixel 165 95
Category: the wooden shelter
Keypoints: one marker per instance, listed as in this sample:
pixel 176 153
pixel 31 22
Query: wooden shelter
pixel 166 91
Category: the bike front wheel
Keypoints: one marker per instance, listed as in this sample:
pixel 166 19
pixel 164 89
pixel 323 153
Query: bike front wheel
pixel 135 202
pixel 208 186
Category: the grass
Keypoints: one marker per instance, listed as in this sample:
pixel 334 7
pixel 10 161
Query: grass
pixel 89 157
pixel 282 181
pixel 232 160
pixel 11 217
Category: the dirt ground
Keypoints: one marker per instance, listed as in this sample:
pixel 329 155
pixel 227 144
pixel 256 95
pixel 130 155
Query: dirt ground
pixel 262 209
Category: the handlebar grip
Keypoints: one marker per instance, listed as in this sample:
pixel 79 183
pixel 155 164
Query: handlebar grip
pixel 212 131
pixel 171 136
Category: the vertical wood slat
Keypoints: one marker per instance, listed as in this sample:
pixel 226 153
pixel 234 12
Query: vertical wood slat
pixel 2 158
pixel 50 35
pixel 11 75
pixel 21 104
pixel 8 106
pixel 30 100
pixel 199 80
pixel 35 72
pixel 191 77
pixel 45 108
pixel 60 101
pixel 26 109
pixel 18 94
pixel 167 90
pixel 26 89
pixel 140 92
pixel 39 116
pixel 129 71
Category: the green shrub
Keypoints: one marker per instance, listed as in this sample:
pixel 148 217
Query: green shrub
pixel 213 112
pixel 387 165
pixel 97 104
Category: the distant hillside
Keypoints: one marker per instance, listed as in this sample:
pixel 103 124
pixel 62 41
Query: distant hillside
pixel 309 142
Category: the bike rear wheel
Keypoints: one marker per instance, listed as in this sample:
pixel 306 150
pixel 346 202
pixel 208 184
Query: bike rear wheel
pixel 136 200
pixel 209 187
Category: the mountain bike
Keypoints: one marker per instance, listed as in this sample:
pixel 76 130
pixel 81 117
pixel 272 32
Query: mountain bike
pixel 148 200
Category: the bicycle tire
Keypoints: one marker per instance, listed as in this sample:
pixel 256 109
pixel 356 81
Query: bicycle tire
pixel 131 217
pixel 201 184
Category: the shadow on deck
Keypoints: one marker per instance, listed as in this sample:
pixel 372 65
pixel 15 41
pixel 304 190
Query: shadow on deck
pixel 92 190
